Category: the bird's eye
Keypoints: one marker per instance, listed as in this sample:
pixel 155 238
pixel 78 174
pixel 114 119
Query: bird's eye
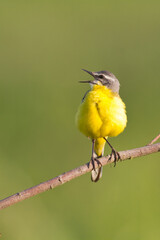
pixel 100 76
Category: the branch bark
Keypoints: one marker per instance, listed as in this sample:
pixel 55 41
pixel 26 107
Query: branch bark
pixel 74 173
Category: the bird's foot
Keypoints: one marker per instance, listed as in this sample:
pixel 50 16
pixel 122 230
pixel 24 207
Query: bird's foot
pixel 96 173
pixel 116 155
pixel 93 160
pixel 93 163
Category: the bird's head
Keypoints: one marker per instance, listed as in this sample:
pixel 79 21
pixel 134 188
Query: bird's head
pixel 104 78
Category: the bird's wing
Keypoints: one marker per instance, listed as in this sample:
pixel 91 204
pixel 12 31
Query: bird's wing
pixel 85 96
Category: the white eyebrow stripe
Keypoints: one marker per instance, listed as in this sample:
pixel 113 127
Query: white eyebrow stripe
pixel 106 77
pixel 109 78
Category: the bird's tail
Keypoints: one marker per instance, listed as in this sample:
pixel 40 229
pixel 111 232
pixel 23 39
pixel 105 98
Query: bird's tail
pixel 98 152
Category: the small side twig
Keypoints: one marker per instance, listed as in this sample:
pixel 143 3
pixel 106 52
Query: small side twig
pixel 154 140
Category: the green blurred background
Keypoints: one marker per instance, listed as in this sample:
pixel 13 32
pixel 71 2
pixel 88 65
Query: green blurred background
pixel 43 46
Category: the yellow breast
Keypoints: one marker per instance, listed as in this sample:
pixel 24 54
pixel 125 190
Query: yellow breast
pixel 101 114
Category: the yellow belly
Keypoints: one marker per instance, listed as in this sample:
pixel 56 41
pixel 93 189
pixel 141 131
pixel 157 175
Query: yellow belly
pixel 101 114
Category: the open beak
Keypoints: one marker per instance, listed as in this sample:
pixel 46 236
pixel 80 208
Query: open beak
pixel 91 73
pixel 88 81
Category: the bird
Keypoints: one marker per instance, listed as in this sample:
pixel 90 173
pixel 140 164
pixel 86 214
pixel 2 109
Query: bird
pixel 101 114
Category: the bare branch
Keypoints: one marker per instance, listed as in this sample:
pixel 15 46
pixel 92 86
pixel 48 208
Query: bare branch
pixel 68 176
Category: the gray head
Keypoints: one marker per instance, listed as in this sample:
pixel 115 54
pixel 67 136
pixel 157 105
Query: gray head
pixel 104 78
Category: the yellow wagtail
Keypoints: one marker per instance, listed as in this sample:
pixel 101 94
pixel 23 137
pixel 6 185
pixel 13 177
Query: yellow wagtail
pixel 101 115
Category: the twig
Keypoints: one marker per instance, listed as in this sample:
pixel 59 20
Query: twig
pixel 154 140
pixel 68 176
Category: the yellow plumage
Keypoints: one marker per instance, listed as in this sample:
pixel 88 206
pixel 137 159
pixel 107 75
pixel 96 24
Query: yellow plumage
pixel 101 114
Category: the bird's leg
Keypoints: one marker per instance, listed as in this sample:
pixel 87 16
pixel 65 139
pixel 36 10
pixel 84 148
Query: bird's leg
pixel 114 152
pixel 96 173
pixel 92 157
